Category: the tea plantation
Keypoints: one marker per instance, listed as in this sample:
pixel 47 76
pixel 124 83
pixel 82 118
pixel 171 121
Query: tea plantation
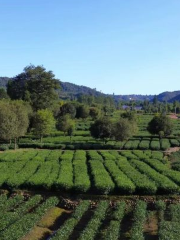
pixel 41 217
pixel 95 172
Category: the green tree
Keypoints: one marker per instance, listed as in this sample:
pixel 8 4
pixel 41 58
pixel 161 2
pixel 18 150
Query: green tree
pixel 14 120
pixel 161 125
pixel 94 112
pixel 123 129
pixel 8 120
pixel 3 94
pixel 130 115
pixel 35 85
pixel 71 129
pixel 65 123
pixel 44 123
pixel 155 100
pixel 23 112
pixel 102 129
pixel 67 108
pixel 82 111
pixel 175 106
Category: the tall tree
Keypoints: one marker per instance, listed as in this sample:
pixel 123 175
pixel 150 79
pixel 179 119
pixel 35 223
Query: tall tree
pixel 102 129
pixel 161 125
pixel 130 115
pixel 44 123
pixel 67 108
pixel 82 111
pixel 94 112
pixel 14 120
pixel 124 129
pixel 3 94
pixel 8 120
pixel 65 123
pixel 35 85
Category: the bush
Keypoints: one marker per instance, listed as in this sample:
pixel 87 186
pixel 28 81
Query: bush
pixel 144 144
pixel 165 144
pixel 160 124
pixel 4 147
pixel 155 145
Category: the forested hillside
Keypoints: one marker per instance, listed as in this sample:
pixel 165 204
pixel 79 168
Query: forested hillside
pixel 70 90
pixel 4 81
pixel 169 96
pixel 73 89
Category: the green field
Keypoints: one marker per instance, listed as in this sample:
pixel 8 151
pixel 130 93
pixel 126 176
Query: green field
pixel 87 142
pixel 94 172
pixel 84 189
pixel 82 139
pixel 28 217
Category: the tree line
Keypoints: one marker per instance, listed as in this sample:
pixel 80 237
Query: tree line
pixel 32 103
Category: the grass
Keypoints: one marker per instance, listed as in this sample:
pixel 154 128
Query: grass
pixel 37 233
pixel 50 217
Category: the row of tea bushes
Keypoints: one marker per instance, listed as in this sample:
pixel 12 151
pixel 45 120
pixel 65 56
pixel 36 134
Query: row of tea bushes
pixel 170 229
pixel 8 218
pixel 113 230
pixel 139 218
pixel 67 228
pixel 163 183
pixel 81 177
pixel 20 223
pixel 100 219
pixel 94 224
pixel 131 144
pixel 94 172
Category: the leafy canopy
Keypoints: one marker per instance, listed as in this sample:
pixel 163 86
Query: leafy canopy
pixel 65 124
pixel 161 125
pixel 44 123
pixel 105 129
pixel 35 85
pixel 14 119
pixel 102 128
pixel 124 129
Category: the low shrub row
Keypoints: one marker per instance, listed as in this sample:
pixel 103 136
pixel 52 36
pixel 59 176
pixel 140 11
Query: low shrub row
pixel 143 144
pixel 67 228
pixel 102 181
pixel 164 184
pixel 123 184
pixel 139 218
pixel 164 169
pixel 113 230
pixel 170 229
pixel 141 181
pixel 82 182
pixel 22 226
pixel 94 224
pixel 9 218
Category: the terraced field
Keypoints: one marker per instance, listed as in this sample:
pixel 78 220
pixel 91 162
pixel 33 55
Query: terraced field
pixel 94 172
pixel 82 139
pixel 87 142
pixel 37 217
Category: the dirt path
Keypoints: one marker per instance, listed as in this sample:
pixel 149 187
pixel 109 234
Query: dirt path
pixel 171 150
pixel 173 116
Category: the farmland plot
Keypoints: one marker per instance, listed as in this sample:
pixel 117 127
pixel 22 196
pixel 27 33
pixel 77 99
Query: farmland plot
pixel 38 217
pixel 94 172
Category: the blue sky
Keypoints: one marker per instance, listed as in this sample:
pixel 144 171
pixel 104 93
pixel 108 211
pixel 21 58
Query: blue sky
pixel 116 46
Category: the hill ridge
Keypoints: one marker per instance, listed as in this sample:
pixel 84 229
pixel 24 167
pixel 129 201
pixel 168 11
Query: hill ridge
pixel 72 89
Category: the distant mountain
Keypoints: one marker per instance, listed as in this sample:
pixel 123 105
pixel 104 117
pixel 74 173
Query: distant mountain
pixel 73 89
pixel 4 81
pixel 177 98
pixel 168 96
pixel 70 90
pixel 67 89
pixel 135 97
